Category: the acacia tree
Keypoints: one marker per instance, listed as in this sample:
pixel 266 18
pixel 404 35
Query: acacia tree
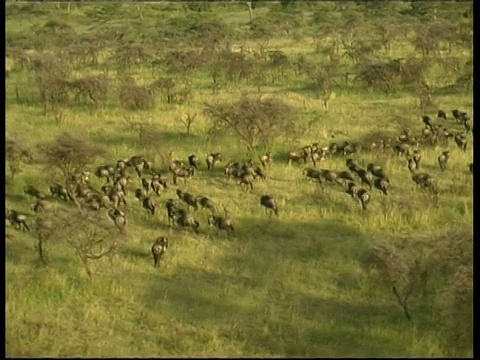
pixel 88 233
pixel 68 153
pixel 434 269
pixel 17 154
pixel 255 121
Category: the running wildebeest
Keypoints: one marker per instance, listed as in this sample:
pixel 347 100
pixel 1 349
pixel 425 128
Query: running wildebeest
pixel 443 160
pixel 428 122
pixel 402 149
pixel 172 207
pixel 412 165
pixel 301 154
pixel 442 115
pixel 187 198
pixel 377 171
pixel 185 220
pixel 193 161
pixel 158 249
pixel 212 159
pixel 311 173
pixel 60 192
pixel 184 173
pixel 205 203
pixel 269 203
pixel 266 160
pixel 425 180
pixel 148 204
pixel 33 191
pixel 466 124
pixel 105 172
pixel 145 184
pixel 40 206
pixel 381 184
pixel 364 198
pixel 17 219
pixel 461 141
pixel 157 183
pixel 118 217
pixel 220 223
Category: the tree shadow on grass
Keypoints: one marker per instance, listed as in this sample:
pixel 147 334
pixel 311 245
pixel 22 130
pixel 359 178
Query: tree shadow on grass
pixel 274 325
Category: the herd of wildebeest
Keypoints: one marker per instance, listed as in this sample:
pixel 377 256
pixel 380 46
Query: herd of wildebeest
pixel 113 194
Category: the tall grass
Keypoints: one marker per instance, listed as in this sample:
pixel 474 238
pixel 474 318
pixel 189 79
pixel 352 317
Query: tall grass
pixel 287 286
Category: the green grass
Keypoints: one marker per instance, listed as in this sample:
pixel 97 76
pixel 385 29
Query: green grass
pixel 287 286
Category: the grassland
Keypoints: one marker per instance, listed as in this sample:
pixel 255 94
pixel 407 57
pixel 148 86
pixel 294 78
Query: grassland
pixel 287 286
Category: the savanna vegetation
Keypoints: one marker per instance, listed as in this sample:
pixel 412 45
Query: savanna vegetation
pixel 279 260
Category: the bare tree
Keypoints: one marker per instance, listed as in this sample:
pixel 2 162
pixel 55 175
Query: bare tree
pixel 188 120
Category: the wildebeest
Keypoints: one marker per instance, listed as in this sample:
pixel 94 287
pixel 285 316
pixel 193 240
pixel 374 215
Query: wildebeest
pixel 145 184
pixel 352 190
pixel 184 173
pixel 247 181
pixel 417 156
pixel 148 204
pixel 158 250
pixel 220 223
pixel 328 176
pixel 402 149
pixel 470 167
pixel 172 207
pixel 80 177
pixel 118 217
pixel 352 148
pixel 187 198
pixel 205 203
pixel 412 165
pixel 442 115
pixel 312 173
pixel 140 194
pixel 121 183
pixel 176 165
pixel 157 183
pixel 428 122
pixel 364 198
pixel 377 171
pixel 319 155
pixel 344 175
pixel 193 161
pixel 269 203
pixel 17 219
pixel 461 141
pixel 40 206
pixel 185 220
pixel 212 159
pixel 105 172
pixel 443 160
pixel 266 159
pixel 60 192
pixel 366 177
pixel 33 191
pixel 459 115
pixel 381 184
pixel 352 165
pixel 425 180
pixel 466 124
pixel 116 196
pixel 301 154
